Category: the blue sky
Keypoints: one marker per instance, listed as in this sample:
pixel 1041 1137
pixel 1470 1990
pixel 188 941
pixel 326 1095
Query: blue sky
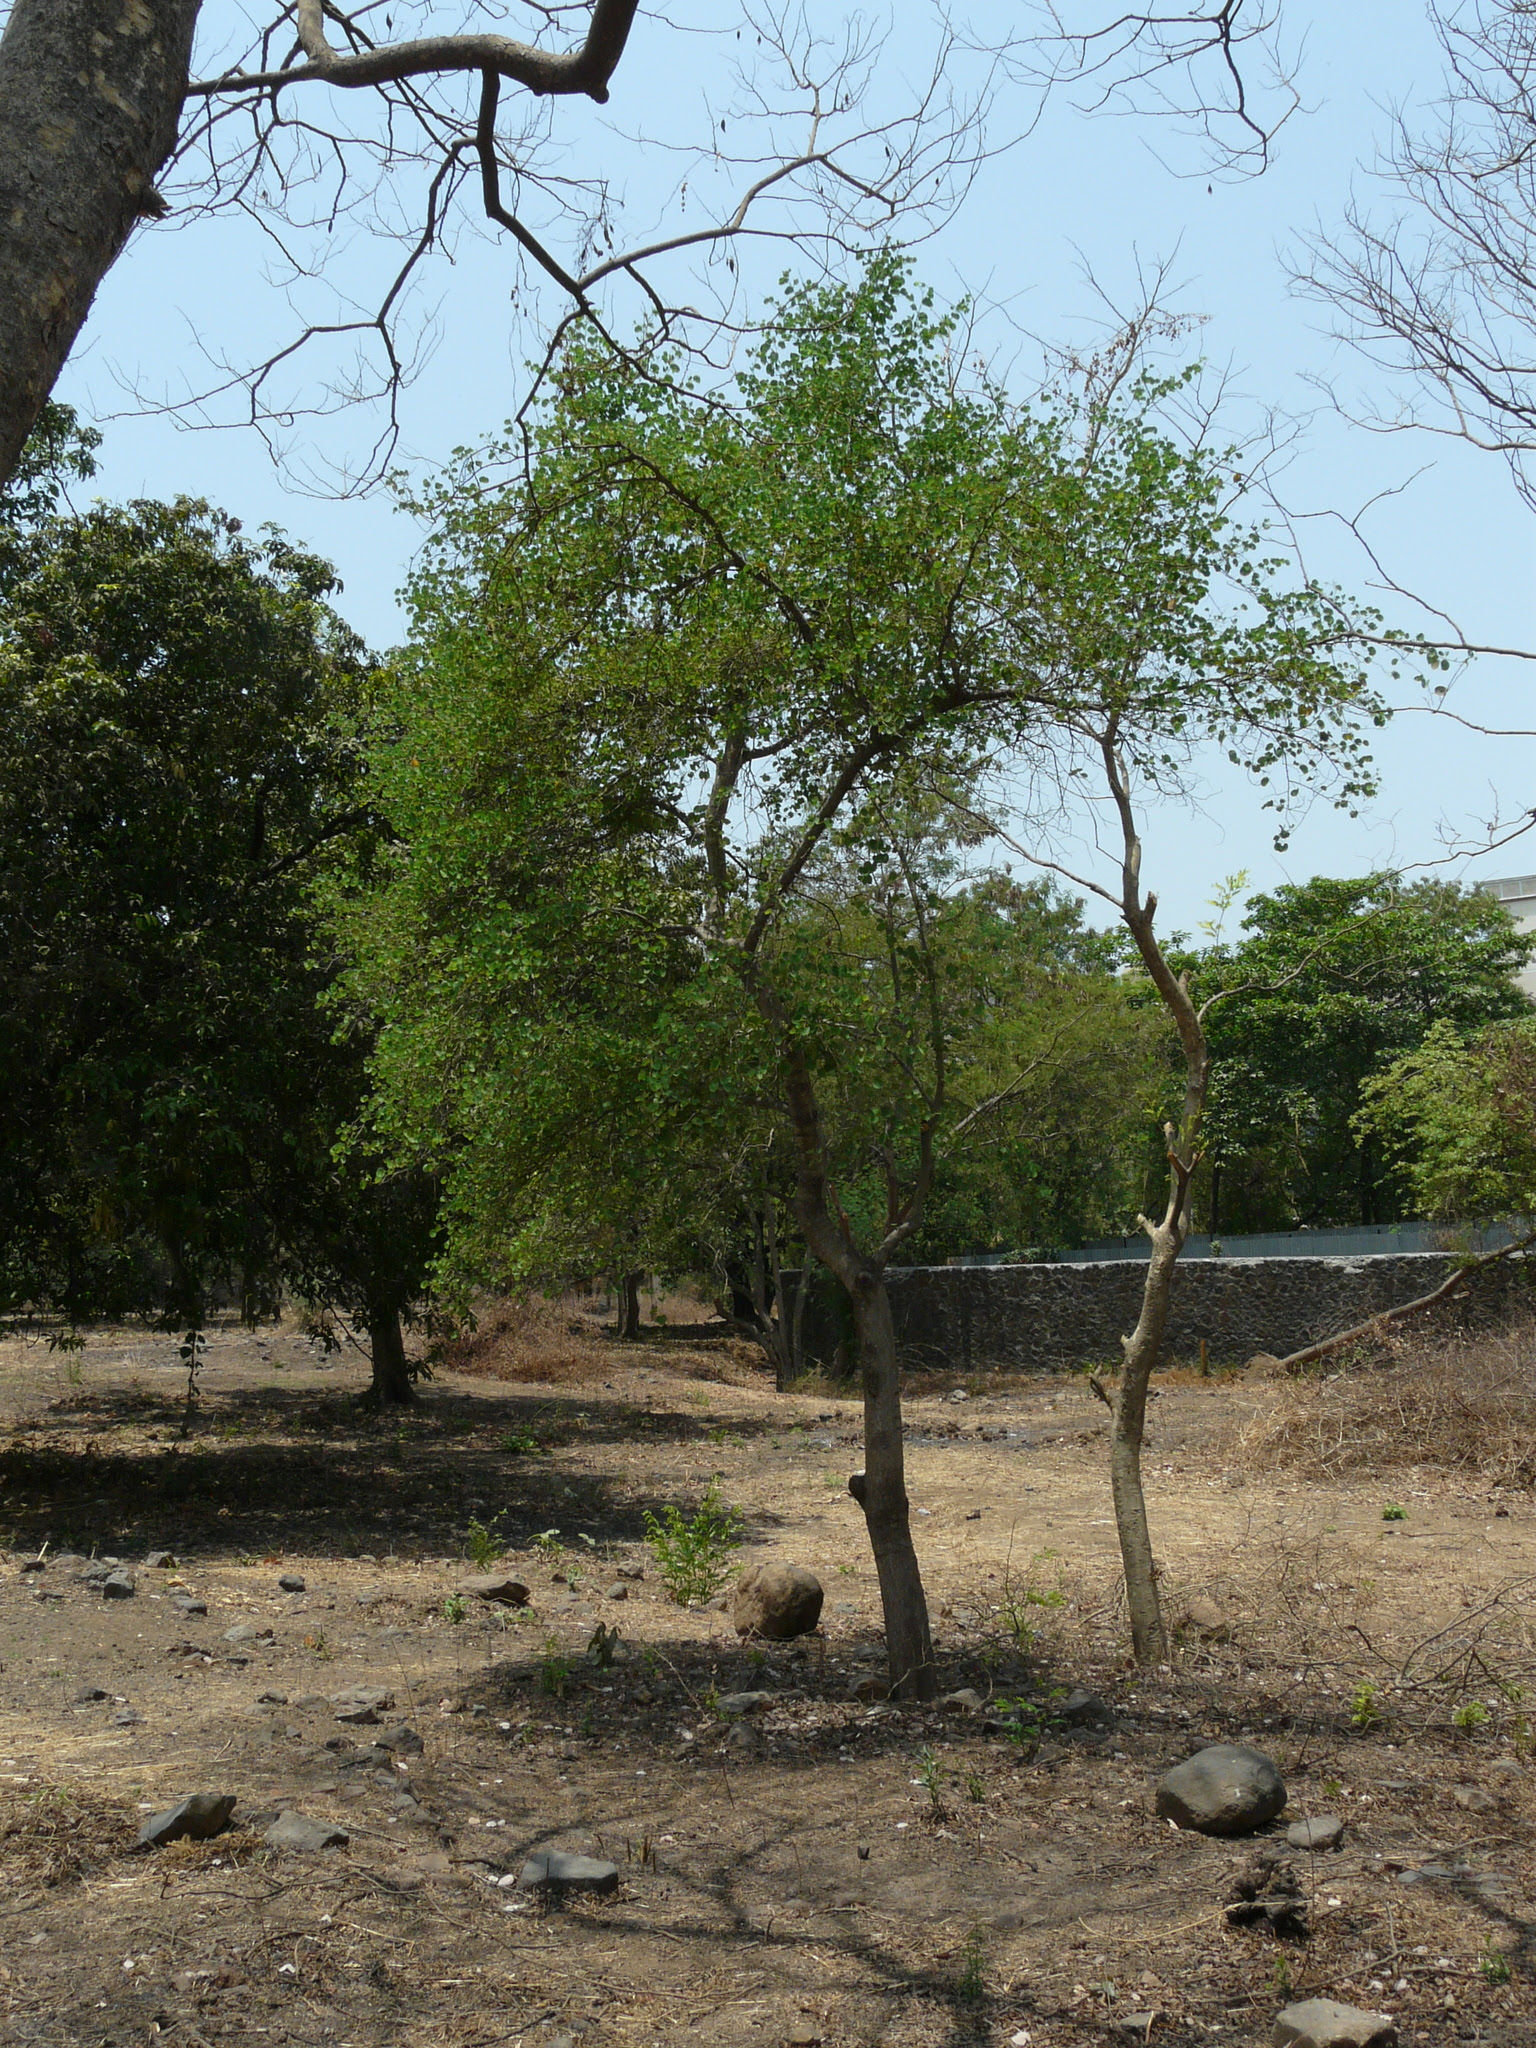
pixel 1076 208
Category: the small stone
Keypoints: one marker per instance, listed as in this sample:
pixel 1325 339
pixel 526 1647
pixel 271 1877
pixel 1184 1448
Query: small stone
pixel 617 1592
pixel 1081 1709
pixel 1226 1789
pixel 553 1870
pixel 126 1717
pixel 363 1704
pixel 160 1561
pixel 744 1739
pixel 118 1585
pixel 242 1632
pixel 498 1586
pixel 302 1836
pixel 1208 1621
pixel 291 1582
pixel 89 1694
pixel 1473 1799
pixel 1323 1832
pixel 194 1819
pixel 1508 1767
pixel 734 1704
pixel 271 1699
pixel 776 1601
pixel 34 1564
pixel 966 1701
pixel 808 2036
pixel 402 1740
pixel 629 1571
pixel 188 1603
pixel 1324 2023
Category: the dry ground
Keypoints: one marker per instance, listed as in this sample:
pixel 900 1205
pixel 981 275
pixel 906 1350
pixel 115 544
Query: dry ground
pixel 845 1872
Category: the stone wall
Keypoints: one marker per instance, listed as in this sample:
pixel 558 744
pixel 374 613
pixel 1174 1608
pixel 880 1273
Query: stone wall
pixel 965 1319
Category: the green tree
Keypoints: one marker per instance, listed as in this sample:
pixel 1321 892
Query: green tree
pixel 1341 979
pixel 1456 1120
pixel 175 763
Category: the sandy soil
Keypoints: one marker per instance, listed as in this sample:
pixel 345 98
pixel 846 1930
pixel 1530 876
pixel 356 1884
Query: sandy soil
pixel 834 1870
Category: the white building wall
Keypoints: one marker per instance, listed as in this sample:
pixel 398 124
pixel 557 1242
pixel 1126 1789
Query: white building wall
pixel 1518 896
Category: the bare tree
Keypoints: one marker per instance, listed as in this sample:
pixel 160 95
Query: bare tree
pixel 1438 283
pixel 328 127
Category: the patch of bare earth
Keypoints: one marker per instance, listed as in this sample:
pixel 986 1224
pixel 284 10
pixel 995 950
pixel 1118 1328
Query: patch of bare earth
pixel 834 1869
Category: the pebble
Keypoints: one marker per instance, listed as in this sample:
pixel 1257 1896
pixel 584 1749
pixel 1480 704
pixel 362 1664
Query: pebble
pixel 734 1704
pixel 291 1582
pixel 617 1592
pixel 1325 1831
pixel 196 1818
pixel 553 1869
pixel 34 1564
pixel 1473 1799
pixel 966 1701
pixel 188 1603
pixel 362 1704
pixel 244 1632
pixel 88 1694
pixel 126 1717
pixel 118 1586
pixel 629 1571
pixel 160 1561
pixel 1324 2023
pixel 302 1836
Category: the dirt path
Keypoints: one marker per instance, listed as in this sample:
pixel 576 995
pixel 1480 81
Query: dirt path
pixel 829 1870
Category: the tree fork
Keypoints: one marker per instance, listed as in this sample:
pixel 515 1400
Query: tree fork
pixel 90 97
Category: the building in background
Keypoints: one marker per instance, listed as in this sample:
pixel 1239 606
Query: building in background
pixel 1518 896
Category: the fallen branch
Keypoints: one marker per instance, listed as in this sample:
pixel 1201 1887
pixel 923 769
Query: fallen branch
pixel 1377 1324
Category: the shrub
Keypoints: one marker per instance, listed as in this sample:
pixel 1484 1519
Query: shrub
pixel 693 1552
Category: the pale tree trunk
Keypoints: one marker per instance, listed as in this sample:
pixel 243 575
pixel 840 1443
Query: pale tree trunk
pixel 90 98
pixel 392 1383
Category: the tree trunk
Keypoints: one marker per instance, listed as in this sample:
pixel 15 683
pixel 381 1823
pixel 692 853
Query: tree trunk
pixel 1149 1642
pixel 90 99
pixel 629 1306
pixel 908 1644
pixel 392 1383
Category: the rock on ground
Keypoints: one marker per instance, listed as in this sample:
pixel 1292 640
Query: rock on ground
pixel 194 1819
pixel 362 1704
pixel 118 1586
pixel 1324 2023
pixel 499 1586
pixel 1227 1789
pixel 552 1869
pixel 1325 1831
pixel 777 1601
pixel 303 1836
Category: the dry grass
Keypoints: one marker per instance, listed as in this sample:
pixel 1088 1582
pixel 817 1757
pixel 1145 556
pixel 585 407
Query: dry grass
pixel 1465 1406
pixel 566 1342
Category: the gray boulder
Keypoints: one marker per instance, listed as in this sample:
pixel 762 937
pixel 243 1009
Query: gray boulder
pixel 301 1836
pixel 553 1870
pixel 1227 1789
pixel 734 1704
pixel 776 1601
pixel 195 1819
pixel 498 1586
pixel 1324 2023
pixel 118 1585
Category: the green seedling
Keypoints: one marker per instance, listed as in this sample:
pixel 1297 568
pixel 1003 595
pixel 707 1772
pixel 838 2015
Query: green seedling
pixel 1393 1513
pixel 454 1608
pixel 693 1552
pixel 1364 1707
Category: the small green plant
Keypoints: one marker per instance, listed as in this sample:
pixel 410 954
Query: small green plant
pixel 693 1552
pixel 554 1669
pixel 454 1608
pixel 1364 1707
pixel 547 1543
pixel 1331 1788
pixel 482 1545
pixel 517 1443
pixel 1393 1513
pixel 317 1644
pixel 1494 1965
pixel 931 1778
pixel 848 1571
pixel 1018 1609
pixel 975 1787
pixel 971 1984
pixel 1469 1717
pixel 1280 1977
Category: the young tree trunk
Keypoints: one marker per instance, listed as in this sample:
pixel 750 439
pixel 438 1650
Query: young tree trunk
pixel 628 1327
pixel 1149 1642
pixel 90 99
pixel 392 1382
pixel 887 1514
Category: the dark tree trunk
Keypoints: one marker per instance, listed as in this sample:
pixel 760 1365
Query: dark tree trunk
pixel 90 98
pixel 392 1382
pixel 629 1306
pixel 908 1643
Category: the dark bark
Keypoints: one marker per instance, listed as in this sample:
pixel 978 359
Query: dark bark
pixel 629 1306
pixel 392 1381
pixel 90 98
pixel 887 1514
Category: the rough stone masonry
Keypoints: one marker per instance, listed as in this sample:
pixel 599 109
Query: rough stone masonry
pixel 1047 1318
